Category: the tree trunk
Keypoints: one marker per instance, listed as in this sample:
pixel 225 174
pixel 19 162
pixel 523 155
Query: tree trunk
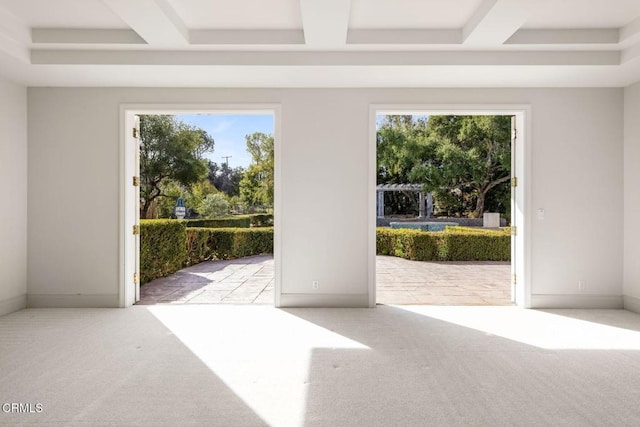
pixel 479 211
pixel 147 211
pixel 144 211
pixel 482 194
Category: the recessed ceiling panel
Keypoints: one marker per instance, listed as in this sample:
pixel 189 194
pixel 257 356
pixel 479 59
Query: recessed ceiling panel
pixel 411 14
pixel 239 14
pixel 64 13
pixel 581 14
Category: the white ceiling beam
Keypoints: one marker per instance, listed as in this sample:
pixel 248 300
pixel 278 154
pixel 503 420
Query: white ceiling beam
pixel 84 36
pixel 325 22
pixel 154 20
pixel 496 20
pixel 246 37
pixel 631 53
pixel 394 37
pixel 630 33
pixel 565 37
pixel 344 58
pixel 14 36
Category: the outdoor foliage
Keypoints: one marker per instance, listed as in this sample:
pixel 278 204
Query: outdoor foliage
pixel 193 197
pixel 227 243
pixel 466 154
pixel 226 179
pixel 239 221
pixel 169 245
pixel 465 161
pixel 256 186
pixel 162 248
pixel 171 190
pixel 468 244
pixel 398 140
pixel 213 205
pixel 169 149
pixel 409 244
pixel 262 220
pixel 453 244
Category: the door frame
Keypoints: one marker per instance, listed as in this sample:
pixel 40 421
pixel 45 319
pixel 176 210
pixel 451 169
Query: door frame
pixel 126 292
pixel 521 159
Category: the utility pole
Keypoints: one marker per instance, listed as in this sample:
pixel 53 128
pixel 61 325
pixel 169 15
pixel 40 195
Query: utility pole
pixel 226 159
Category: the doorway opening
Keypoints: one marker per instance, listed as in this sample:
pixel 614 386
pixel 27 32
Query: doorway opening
pixel 448 191
pixel 197 228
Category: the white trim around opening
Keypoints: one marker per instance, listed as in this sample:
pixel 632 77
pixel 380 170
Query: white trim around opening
pixel 127 114
pixel 520 216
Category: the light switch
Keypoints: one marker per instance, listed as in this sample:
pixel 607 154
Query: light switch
pixel 540 213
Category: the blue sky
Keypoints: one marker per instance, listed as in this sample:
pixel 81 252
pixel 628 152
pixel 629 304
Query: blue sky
pixel 228 132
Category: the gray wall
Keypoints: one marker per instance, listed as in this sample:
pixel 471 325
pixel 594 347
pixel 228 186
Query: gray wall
pixel 632 197
pixel 577 177
pixel 13 176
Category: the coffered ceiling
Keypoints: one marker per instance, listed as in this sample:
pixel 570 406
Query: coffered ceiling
pixel 321 43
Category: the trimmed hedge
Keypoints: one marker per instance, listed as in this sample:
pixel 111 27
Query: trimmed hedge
pixel 166 246
pixel 462 244
pixel 225 243
pixel 262 220
pixel 227 222
pixel 236 221
pixel 162 248
pixel 409 244
pixel 453 244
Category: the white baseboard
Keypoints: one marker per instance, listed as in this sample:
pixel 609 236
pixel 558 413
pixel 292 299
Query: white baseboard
pixel 73 301
pixel 324 300
pixel 576 301
pixel 13 304
pixel 632 303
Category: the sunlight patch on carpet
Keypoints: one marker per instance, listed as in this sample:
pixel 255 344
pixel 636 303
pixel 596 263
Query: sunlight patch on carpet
pixel 261 353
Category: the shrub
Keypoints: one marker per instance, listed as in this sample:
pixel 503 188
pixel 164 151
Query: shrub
pixel 255 241
pixel 225 243
pixel 213 206
pixel 162 248
pixel 240 221
pixel 262 220
pixel 453 244
pixel 168 245
pixel 464 244
pixel 406 243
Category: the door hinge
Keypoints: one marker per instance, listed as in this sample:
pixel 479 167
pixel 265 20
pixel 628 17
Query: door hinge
pixel 136 278
pixel 513 279
pixel 136 181
pixel 514 181
pixel 514 230
pixel 135 132
pixel 136 230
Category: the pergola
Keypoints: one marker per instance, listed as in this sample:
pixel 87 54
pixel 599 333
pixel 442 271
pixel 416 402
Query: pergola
pixel 425 205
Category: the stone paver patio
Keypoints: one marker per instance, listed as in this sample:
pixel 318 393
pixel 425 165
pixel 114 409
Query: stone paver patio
pixel 399 281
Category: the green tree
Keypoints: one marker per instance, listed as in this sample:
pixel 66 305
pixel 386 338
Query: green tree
pixel 398 139
pixel 226 179
pixel 465 155
pixel 169 149
pixel 171 191
pixel 214 205
pixel 256 186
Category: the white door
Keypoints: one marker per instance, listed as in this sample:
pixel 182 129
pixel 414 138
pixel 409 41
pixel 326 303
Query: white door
pixel 131 261
pixel 136 204
pixel 514 226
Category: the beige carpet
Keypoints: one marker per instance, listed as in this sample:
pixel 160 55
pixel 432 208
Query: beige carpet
pixel 255 365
